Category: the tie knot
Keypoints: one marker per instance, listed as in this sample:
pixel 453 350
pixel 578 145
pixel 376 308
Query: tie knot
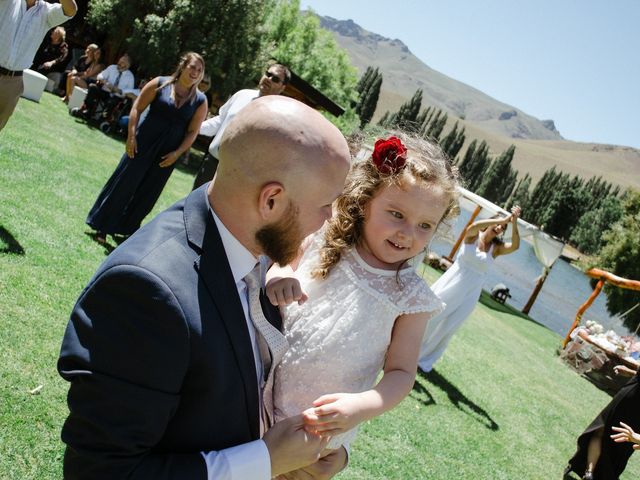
pixel 253 278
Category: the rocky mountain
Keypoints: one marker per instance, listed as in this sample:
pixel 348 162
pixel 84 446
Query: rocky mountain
pixel 539 145
pixel 404 73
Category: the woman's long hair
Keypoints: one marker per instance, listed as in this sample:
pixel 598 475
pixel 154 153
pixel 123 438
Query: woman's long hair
pixel 182 64
pixel 426 163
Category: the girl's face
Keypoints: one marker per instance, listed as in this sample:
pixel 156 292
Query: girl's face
pixel 399 222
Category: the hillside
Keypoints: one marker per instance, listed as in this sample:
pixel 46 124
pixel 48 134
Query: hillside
pixel 539 145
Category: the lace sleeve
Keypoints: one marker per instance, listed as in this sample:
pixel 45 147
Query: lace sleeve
pixel 419 298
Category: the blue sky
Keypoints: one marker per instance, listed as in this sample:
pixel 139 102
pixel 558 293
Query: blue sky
pixel 574 61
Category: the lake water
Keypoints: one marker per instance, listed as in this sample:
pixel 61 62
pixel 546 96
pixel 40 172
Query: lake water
pixel 565 289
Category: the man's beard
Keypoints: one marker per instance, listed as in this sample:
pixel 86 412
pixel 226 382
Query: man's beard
pixel 281 240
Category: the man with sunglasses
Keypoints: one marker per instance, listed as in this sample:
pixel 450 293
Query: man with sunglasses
pixel 273 82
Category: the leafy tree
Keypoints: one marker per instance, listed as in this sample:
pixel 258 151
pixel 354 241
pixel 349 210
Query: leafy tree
pixel 567 205
pixel 621 256
pixel 587 235
pixel 156 32
pixel 296 39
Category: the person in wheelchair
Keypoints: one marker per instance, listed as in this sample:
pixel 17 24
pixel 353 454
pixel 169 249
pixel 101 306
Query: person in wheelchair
pixel 107 92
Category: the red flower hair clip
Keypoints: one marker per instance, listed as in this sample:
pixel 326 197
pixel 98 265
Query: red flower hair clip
pixel 389 156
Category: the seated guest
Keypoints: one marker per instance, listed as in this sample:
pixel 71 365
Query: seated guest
pixel 52 56
pixel 84 71
pixel 110 83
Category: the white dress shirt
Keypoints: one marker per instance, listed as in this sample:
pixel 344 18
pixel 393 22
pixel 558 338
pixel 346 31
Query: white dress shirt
pixel 110 75
pixel 216 125
pixel 249 461
pixel 22 30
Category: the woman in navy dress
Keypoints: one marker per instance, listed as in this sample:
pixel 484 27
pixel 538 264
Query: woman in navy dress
pixel 176 110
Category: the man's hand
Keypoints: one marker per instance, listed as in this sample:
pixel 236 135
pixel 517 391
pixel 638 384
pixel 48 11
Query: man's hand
pixel 282 291
pixel 331 463
pixel 291 447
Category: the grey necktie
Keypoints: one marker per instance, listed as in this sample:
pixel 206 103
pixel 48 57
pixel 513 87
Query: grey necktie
pixel 272 343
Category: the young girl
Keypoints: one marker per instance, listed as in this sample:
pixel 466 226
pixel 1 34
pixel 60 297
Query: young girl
pixel 361 308
pixel 460 286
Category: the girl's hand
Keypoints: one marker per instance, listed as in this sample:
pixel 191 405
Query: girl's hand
pixel 169 159
pixel 132 146
pixel 625 434
pixel 333 414
pixel 283 291
pixel 515 212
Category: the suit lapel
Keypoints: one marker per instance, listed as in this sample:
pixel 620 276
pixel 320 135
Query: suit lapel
pixel 215 272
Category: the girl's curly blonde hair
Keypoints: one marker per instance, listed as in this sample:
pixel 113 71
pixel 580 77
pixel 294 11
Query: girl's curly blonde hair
pixel 426 163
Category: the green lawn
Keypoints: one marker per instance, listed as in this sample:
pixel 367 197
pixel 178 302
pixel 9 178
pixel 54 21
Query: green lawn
pixel 500 405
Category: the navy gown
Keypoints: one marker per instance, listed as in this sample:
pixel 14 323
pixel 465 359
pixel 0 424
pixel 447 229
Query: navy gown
pixel 133 189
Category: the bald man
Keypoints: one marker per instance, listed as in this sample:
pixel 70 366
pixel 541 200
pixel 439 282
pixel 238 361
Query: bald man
pixel 161 350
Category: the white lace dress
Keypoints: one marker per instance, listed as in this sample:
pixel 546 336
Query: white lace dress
pixel 338 339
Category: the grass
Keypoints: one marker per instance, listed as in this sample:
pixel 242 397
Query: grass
pixel 500 405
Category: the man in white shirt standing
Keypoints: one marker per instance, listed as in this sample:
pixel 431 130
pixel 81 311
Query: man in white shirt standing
pixel 110 83
pixel 273 82
pixel 23 25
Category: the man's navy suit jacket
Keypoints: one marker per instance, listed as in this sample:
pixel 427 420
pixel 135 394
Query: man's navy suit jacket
pixel 159 356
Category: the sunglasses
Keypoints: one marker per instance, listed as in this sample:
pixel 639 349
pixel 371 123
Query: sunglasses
pixel 272 76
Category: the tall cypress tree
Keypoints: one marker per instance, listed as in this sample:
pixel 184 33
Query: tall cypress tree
pixel 365 80
pixel 464 165
pixel 406 116
pixel 369 100
pixel 422 116
pixel 453 141
pixel 456 146
pixel 479 164
pixel 384 120
pixel 499 180
pixel 520 195
pixel 447 141
pixel 541 194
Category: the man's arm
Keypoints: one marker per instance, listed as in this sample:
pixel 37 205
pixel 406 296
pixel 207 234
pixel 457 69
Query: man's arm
pixel 125 352
pixel 69 7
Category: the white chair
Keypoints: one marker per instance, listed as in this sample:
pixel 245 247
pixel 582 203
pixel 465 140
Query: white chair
pixel 77 97
pixel 34 84
pixel 53 81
